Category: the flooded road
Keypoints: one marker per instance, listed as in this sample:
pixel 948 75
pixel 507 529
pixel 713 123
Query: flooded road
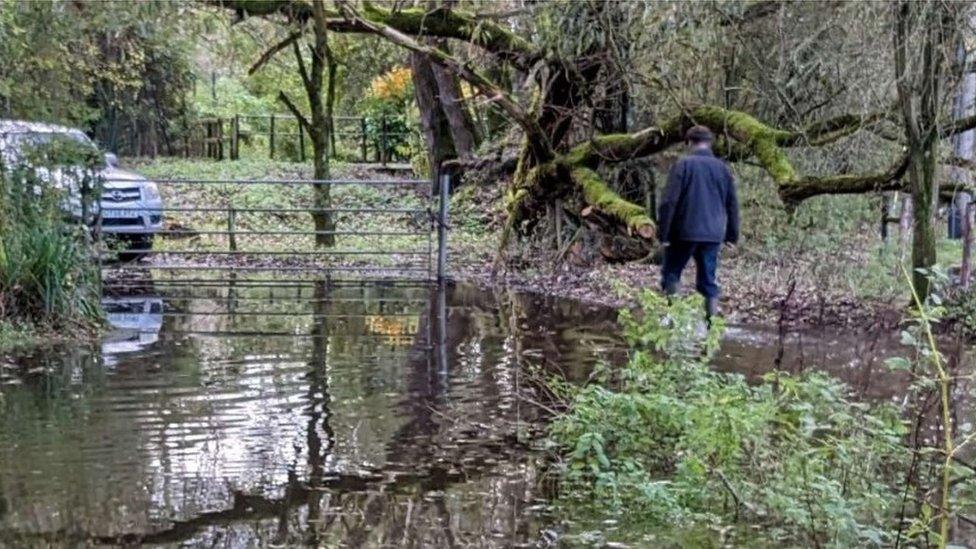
pixel 274 413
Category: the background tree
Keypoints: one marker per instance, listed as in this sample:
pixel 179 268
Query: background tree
pixel 318 78
pixel 924 39
pixel 120 70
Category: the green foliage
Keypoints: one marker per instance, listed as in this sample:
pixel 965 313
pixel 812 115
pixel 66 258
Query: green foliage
pixel 118 68
pixel 47 276
pixel 391 114
pixel 232 98
pixel 665 441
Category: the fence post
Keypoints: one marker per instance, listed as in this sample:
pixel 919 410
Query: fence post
pixel 271 137
pixel 98 250
pixel 231 227
pixel 362 132
pixel 383 141
pixel 301 143
pixel 885 215
pixel 235 138
pixel 220 139
pixel 445 189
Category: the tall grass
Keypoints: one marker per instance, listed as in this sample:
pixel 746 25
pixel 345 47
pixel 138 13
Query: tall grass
pixel 47 276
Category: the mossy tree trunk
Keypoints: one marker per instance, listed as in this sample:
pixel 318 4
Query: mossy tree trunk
pixel 434 125
pixel 921 34
pixel 464 133
pixel 319 122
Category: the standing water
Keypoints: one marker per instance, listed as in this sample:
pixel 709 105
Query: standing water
pixel 286 413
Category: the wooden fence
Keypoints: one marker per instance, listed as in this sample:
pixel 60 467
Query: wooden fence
pixel 354 138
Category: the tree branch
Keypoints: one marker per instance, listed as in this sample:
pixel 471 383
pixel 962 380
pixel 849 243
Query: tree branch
pixel 302 70
pixel 810 186
pixel 295 9
pixel 958 126
pixel 600 197
pixel 273 50
pixel 294 110
pixel 438 22
pixel 460 25
pixel 536 137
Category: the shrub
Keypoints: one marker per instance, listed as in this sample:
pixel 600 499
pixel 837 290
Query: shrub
pixel 666 441
pixel 47 276
pixel 390 113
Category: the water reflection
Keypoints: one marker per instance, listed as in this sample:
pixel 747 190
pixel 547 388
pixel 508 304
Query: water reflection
pixel 136 322
pixel 303 413
pixel 321 413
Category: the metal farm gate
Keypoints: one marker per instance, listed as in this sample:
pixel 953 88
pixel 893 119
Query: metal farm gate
pixel 391 229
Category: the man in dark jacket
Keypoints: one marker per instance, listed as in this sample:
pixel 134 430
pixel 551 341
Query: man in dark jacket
pixel 698 212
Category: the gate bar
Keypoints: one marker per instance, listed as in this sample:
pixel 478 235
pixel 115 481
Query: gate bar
pixel 191 232
pixel 309 268
pixel 282 210
pixel 375 182
pixel 269 252
pixel 267 282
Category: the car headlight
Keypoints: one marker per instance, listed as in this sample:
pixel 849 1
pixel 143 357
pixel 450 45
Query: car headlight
pixel 150 191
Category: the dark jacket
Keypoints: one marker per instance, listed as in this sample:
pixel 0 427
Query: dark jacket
pixel 699 203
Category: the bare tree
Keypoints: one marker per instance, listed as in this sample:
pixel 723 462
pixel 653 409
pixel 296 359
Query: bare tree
pixel 924 33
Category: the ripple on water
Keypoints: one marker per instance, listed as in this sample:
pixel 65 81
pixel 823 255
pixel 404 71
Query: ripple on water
pixel 343 412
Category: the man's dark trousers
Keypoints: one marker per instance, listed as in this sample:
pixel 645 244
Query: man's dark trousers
pixel 676 256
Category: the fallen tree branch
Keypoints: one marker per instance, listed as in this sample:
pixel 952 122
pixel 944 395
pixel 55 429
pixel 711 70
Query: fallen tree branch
pixel 460 25
pixel 810 186
pixel 599 196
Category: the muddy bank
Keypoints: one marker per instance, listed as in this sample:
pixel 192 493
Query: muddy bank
pixel 798 306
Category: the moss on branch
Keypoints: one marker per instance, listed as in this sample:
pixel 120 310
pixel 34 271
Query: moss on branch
pixel 599 196
pixel 457 24
pixel 808 187
pixel 743 136
pixel 626 146
pixel 760 138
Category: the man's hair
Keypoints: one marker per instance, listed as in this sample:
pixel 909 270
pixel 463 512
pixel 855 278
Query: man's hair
pixel 699 134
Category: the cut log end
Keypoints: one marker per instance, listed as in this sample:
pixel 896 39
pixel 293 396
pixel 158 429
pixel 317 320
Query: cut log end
pixel 647 232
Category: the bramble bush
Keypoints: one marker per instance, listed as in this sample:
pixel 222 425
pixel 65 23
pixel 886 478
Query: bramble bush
pixel 665 443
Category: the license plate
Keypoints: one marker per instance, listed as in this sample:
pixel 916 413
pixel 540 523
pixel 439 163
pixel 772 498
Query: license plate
pixel 120 213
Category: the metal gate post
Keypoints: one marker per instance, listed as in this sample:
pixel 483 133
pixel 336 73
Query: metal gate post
pixel 445 189
pixel 220 139
pixel 231 228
